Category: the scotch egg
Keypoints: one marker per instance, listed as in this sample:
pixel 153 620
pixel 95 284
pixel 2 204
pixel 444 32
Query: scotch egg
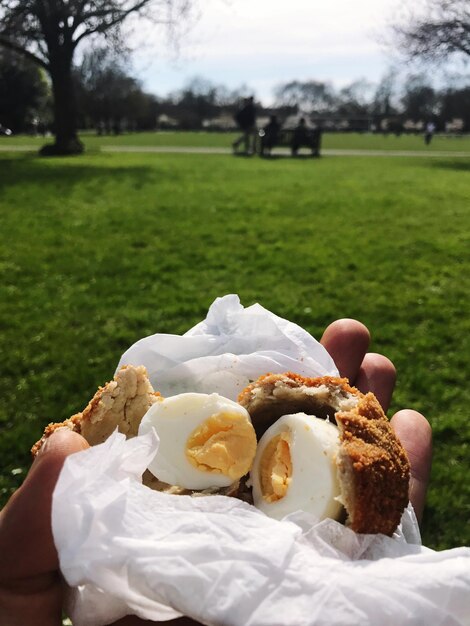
pixel 368 459
pixel 205 440
pixel 295 468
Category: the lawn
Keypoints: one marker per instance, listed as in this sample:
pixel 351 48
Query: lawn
pixel 100 250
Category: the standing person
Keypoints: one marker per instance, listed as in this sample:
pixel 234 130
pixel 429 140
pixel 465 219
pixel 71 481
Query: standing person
pixel 246 118
pixel 429 132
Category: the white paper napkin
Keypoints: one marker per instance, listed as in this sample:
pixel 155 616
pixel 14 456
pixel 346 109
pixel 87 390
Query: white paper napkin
pixel 230 348
pixel 127 549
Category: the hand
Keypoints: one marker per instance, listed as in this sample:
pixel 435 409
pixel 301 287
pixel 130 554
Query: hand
pixel 347 342
pixel 31 590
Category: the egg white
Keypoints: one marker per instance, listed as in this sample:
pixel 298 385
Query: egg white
pixel 174 419
pixel 313 486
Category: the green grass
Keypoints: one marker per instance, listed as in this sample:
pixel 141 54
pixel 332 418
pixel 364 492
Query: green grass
pixel 350 141
pixel 100 250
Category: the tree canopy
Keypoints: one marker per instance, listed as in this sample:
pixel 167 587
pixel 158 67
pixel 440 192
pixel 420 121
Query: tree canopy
pixel 24 93
pixel 312 96
pixel 49 31
pixel 109 98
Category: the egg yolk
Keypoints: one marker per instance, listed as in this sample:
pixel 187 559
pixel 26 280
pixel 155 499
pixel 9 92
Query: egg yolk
pixel 276 468
pixel 224 443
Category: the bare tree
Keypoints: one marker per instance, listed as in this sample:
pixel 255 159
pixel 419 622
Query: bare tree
pixel 354 99
pixel 419 101
pixel 311 96
pixel 441 30
pixel 48 33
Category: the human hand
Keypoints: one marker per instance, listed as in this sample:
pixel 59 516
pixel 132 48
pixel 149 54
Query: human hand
pixel 31 588
pixel 347 341
pixel 30 581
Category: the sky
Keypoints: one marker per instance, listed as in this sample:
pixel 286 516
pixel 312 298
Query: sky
pixel 262 43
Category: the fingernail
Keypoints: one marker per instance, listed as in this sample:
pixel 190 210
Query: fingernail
pixel 47 442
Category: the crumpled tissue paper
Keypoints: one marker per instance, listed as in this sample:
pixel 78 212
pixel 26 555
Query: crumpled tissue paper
pixel 230 348
pixel 125 549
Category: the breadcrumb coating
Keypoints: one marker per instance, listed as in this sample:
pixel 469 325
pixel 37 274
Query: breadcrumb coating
pixel 120 404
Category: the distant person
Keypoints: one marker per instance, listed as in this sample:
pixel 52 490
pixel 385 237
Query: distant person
pixel 270 136
pixel 304 136
pixel 429 132
pixel 246 119
pixel 300 136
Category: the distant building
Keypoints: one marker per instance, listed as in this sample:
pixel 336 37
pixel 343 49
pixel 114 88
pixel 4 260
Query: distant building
pixel 164 121
pixel 222 122
pixel 455 125
pixel 411 126
pixel 292 121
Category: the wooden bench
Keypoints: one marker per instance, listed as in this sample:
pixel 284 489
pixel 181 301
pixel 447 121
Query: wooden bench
pixel 291 138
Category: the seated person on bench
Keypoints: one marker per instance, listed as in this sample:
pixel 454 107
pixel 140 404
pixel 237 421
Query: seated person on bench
pixel 300 137
pixel 270 136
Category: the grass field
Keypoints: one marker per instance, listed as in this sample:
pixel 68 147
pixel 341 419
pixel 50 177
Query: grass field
pixel 100 250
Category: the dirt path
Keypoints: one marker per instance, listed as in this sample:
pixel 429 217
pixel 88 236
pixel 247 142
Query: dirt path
pixel 278 151
pixel 286 151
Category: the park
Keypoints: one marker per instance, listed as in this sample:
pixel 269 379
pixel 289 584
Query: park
pixel 107 238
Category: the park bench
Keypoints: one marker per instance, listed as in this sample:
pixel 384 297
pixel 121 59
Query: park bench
pixel 310 138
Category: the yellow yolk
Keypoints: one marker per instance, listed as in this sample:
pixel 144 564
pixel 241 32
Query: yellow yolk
pixel 205 440
pixel 295 468
pixel 276 468
pixel 224 443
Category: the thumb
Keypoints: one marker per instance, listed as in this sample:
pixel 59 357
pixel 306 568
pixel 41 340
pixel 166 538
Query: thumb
pixel 26 542
pixel 415 434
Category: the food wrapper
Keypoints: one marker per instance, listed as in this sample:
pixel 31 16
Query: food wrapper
pixel 125 549
pixel 232 347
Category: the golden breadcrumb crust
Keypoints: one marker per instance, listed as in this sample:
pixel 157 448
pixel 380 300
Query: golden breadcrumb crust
pixel 293 380
pixel 120 404
pixel 373 468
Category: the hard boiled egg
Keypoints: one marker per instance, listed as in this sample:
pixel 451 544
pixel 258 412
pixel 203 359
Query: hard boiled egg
pixel 205 440
pixel 295 468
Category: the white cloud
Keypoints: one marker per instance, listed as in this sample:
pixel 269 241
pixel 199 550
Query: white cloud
pixel 264 42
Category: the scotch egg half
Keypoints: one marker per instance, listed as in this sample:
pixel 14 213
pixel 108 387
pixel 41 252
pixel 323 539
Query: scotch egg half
pixel 295 468
pixel 205 440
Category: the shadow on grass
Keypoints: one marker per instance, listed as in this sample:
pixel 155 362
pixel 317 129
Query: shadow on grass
pixel 457 165
pixel 64 175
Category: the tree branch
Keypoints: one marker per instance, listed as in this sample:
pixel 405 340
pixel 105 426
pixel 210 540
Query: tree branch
pixel 11 45
pixel 445 30
pixel 105 12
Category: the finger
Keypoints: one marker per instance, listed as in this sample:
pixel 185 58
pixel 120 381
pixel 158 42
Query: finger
pixel 25 522
pixel 377 374
pixel 347 342
pixel 414 432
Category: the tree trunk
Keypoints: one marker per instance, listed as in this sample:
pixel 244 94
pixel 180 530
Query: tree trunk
pixel 65 112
